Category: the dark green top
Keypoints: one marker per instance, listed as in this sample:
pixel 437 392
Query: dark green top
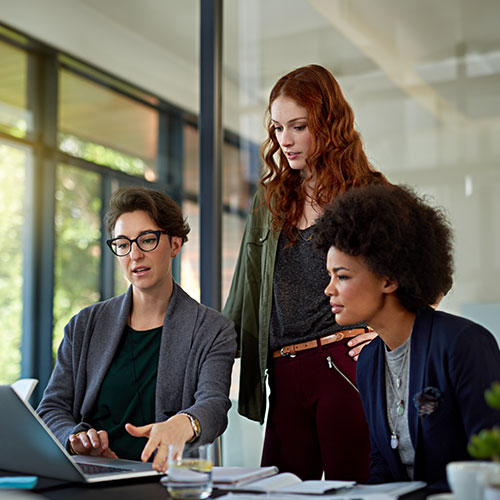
pixel 127 392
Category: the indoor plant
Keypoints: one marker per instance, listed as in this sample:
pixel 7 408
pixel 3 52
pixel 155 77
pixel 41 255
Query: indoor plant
pixel 486 444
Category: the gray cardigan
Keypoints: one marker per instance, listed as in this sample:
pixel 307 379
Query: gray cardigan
pixel 197 351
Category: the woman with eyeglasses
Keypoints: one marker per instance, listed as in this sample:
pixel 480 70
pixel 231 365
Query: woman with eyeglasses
pixel 149 368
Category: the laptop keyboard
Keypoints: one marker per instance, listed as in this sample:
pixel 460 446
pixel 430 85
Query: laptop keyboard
pixel 100 469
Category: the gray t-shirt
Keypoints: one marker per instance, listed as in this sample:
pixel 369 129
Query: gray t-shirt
pixel 395 360
pixel 300 310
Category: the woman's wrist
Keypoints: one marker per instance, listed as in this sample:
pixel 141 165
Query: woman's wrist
pixel 195 426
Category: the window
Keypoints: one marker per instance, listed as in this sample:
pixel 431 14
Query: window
pixel 78 253
pixel 15 118
pixel 107 135
pixel 15 122
pixel 12 207
pixel 102 126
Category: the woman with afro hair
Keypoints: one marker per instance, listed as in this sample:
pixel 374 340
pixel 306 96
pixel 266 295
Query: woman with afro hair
pixel 312 153
pixel 422 381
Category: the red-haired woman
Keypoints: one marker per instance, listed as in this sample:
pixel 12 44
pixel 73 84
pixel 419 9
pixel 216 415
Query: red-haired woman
pixel 315 422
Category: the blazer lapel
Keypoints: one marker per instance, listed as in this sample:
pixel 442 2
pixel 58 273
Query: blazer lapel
pixel 420 339
pixel 380 400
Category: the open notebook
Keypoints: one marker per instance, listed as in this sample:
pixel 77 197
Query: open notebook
pixel 385 491
pixel 249 483
pixel 29 447
pixel 266 479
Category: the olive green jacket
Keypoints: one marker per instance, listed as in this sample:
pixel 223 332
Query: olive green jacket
pixel 249 306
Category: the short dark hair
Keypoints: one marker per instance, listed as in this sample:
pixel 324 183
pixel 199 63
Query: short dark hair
pixel 160 207
pixel 398 234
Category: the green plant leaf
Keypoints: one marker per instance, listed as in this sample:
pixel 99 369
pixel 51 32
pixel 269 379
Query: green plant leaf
pixel 486 444
pixel 492 395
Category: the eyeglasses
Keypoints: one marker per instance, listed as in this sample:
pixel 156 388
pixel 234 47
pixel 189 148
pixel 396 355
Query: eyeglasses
pixel 146 242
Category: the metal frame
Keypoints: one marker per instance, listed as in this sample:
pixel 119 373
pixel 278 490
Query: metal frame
pixel 210 164
pixel 210 137
pixel 39 244
pixel 170 157
pixel 107 263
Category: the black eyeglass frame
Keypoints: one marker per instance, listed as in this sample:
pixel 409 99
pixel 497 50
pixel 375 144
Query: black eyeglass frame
pixel 157 233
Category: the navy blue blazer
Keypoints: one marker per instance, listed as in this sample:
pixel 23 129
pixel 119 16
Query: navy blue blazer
pixel 452 354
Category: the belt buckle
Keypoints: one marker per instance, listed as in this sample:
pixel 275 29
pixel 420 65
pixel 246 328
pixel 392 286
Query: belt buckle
pixel 287 354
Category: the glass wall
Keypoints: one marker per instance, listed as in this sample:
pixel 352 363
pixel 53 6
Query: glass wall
pixel 424 83
pixel 190 255
pixel 238 183
pixel 423 79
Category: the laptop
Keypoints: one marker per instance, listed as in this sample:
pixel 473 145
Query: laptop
pixel 28 446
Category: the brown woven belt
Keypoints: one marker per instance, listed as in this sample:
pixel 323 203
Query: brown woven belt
pixel 291 350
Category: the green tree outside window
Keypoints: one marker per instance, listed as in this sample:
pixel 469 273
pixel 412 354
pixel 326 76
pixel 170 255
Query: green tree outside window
pixel 12 185
pixel 78 253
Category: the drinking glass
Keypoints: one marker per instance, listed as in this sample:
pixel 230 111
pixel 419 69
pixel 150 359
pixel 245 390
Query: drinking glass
pixel 190 477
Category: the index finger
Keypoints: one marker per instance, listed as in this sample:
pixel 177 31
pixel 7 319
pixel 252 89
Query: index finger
pixel 150 447
pixel 82 438
pixel 160 461
pixel 94 438
pixel 103 439
pixel 360 339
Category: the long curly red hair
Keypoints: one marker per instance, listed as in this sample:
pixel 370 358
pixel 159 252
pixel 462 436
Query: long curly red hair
pixel 336 158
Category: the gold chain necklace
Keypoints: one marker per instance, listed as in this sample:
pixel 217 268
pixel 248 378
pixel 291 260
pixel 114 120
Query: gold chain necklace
pixel 302 237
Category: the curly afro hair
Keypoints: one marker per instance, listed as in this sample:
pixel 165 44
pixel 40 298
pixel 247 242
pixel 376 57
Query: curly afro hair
pixel 398 234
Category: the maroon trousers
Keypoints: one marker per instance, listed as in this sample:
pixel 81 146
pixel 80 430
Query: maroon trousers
pixel 316 422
